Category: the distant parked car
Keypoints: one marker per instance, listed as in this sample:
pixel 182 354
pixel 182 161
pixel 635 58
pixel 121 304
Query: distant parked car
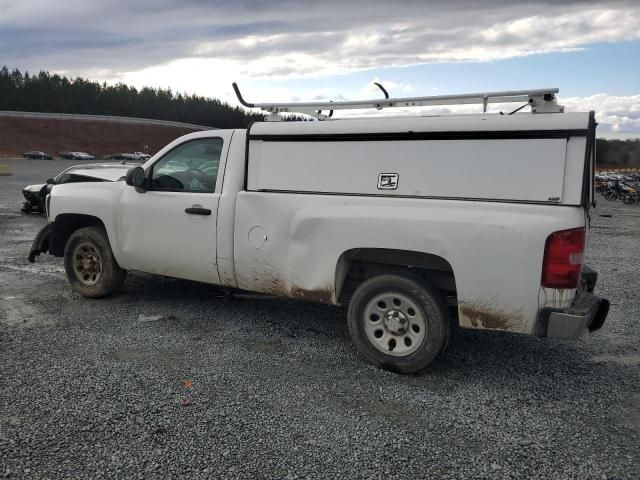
pixel 142 155
pixel 36 155
pixel 127 157
pixel 115 156
pixel 35 195
pixel 77 156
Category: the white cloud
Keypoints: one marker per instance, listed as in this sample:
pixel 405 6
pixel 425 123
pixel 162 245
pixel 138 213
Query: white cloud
pixel 421 40
pixel 395 89
pixel 285 39
pixel 416 39
pixel 194 46
pixel 614 113
pixel 208 77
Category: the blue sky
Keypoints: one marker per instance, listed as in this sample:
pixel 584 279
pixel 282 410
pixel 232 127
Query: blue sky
pixel 598 68
pixel 287 50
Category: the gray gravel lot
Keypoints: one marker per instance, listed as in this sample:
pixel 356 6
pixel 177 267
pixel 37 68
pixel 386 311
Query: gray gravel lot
pixel 250 388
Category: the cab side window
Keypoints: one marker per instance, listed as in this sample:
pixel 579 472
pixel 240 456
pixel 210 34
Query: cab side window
pixel 190 167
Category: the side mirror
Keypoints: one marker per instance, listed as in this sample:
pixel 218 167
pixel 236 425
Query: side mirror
pixel 136 177
pixel 51 181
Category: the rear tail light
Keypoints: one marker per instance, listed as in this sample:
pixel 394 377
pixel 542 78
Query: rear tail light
pixel 563 256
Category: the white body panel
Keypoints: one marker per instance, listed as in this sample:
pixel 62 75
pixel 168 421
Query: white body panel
pixel 111 174
pixel 151 231
pixel 448 123
pixel 232 173
pixel 155 235
pixel 482 169
pixel 471 167
pixel 491 205
pixel 494 249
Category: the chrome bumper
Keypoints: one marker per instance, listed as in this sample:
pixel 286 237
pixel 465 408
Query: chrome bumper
pixel 588 312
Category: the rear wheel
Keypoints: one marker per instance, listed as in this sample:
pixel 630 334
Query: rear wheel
pixel 397 323
pixel 91 267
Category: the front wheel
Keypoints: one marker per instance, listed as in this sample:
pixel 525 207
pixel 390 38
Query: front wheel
pixel 91 267
pixel 397 323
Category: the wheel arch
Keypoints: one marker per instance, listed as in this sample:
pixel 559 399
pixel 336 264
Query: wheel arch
pixel 359 264
pixel 66 224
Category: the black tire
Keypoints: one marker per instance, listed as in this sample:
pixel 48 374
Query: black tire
pixel 428 302
pixel 611 196
pixel 91 267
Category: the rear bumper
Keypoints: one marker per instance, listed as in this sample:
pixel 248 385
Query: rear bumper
pixel 588 312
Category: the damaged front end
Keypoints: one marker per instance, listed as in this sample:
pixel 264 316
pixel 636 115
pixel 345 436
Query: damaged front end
pixel 43 242
pixel 34 200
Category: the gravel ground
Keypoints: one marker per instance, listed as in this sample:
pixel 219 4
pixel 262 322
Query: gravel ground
pixel 225 387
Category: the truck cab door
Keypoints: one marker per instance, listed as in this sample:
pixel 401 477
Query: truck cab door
pixel 170 228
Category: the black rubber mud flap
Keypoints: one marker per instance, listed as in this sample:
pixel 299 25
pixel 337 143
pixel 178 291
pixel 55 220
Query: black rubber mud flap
pixel 41 242
pixel 600 317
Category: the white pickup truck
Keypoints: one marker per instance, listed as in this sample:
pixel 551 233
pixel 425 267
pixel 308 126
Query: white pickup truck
pixel 414 223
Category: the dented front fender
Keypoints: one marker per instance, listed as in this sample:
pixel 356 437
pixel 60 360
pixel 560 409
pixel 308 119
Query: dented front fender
pixel 42 242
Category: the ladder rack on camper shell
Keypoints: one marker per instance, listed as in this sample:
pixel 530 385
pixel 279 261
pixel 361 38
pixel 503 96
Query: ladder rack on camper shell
pixel 540 100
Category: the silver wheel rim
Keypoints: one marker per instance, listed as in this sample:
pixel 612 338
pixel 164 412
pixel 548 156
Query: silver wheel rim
pixel 87 264
pixel 394 324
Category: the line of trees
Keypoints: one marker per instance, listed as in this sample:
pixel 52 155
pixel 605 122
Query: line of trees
pixel 55 93
pixel 618 153
pixel 48 93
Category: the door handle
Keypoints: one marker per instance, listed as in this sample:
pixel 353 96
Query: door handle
pixel 197 211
